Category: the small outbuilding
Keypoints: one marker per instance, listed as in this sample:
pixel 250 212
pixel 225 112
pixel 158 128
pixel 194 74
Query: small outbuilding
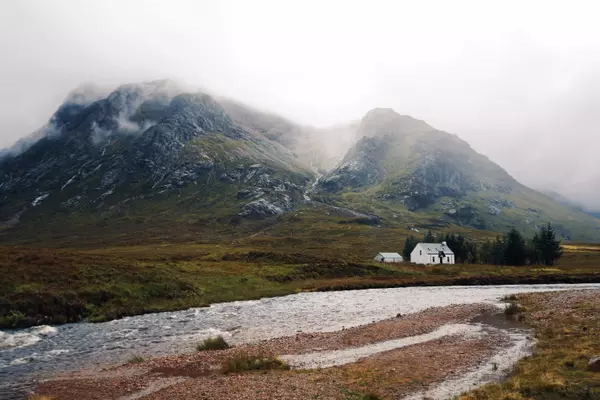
pixel 389 257
pixel 432 253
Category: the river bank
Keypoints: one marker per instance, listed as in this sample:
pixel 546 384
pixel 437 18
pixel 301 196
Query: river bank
pixel 567 330
pixel 443 334
pixel 56 286
pixel 566 326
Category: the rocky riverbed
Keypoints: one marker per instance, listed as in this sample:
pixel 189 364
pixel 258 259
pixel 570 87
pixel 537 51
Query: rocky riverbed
pixel 302 329
pixel 402 355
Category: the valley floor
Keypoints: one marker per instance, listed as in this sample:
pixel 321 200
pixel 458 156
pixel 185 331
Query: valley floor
pixel 566 326
pixel 53 286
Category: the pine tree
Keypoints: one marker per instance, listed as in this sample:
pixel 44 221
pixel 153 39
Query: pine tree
pixel 498 251
pixel 429 237
pixel 548 247
pixel 409 245
pixel 472 253
pixel 515 250
pixel 486 253
pixel 533 250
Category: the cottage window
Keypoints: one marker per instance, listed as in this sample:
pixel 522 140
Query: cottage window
pixel 448 259
pixel 420 252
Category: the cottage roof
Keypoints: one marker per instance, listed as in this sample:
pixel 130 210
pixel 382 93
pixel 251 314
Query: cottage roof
pixel 390 255
pixel 434 248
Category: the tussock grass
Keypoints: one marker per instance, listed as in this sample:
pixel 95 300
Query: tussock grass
pixel 136 359
pixel 247 362
pixel 510 297
pixel 214 343
pixel 512 310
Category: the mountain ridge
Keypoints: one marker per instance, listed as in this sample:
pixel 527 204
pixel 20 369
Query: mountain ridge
pixel 156 154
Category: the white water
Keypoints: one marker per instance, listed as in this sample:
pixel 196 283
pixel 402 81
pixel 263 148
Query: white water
pixel 312 187
pixel 26 337
pixel 40 351
pixel 325 359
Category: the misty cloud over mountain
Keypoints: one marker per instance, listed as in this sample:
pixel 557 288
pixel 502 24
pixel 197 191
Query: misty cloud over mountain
pixel 520 85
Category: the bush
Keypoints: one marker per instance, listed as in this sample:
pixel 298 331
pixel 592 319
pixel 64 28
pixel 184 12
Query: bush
pixel 512 309
pixel 510 297
pixel 216 343
pixel 246 362
pixel 135 359
pixel 14 319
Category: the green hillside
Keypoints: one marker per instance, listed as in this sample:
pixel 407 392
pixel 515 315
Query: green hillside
pixel 405 172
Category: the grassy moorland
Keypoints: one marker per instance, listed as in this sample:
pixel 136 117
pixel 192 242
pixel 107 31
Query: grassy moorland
pixel 567 330
pixel 42 285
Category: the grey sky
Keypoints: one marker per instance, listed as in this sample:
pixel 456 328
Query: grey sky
pixel 519 80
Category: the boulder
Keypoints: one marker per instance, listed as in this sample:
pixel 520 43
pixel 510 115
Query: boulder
pixel 493 210
pixel 260 209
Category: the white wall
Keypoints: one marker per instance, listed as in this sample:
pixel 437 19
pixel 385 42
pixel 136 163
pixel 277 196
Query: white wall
pixel 393 260
pixel 388 259
pixel 419 256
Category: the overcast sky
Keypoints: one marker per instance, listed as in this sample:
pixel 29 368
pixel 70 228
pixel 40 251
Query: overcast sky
pixel 519 80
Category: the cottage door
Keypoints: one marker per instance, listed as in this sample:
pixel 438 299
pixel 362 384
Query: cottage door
pixel 442 255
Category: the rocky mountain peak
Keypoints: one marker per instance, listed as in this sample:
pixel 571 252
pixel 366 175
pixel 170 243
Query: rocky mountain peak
pixel 86 94
pixel 384 121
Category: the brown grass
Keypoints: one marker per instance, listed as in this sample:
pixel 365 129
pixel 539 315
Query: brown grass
pixel 567 328
pixel 45 285
pixel 244 362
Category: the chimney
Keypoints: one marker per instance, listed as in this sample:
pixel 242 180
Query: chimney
pixel 444 244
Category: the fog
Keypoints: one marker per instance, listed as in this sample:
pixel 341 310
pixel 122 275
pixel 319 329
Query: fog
pixel 520 81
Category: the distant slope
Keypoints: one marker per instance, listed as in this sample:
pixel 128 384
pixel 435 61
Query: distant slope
pixel 559 198
pixel 403 167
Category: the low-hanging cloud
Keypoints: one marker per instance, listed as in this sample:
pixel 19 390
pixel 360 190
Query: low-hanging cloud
pixel 518 80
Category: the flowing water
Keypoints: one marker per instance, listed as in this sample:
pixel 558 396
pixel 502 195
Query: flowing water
pixel 26 355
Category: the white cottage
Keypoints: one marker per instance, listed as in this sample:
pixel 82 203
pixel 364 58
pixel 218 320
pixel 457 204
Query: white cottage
pixel 389 257
pixel 432 253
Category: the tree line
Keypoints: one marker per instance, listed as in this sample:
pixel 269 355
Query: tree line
pixel 510 249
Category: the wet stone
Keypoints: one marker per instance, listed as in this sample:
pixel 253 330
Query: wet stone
pixel 594 364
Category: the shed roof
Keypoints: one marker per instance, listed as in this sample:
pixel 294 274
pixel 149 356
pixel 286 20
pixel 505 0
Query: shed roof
pixel 434 248
pixel 390 255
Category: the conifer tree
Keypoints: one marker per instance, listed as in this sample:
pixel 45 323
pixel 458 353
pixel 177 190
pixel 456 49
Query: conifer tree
pixel 409 245
pixel 515 250
pixel 547 246
pixel 429 237
pixel 498 250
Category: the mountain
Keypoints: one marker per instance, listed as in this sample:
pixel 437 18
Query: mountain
pixel 569 202
pixel 403 167
pixel 152 162
pixel 146 151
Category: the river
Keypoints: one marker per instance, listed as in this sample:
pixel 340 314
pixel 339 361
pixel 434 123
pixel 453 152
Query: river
pixel 29 354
